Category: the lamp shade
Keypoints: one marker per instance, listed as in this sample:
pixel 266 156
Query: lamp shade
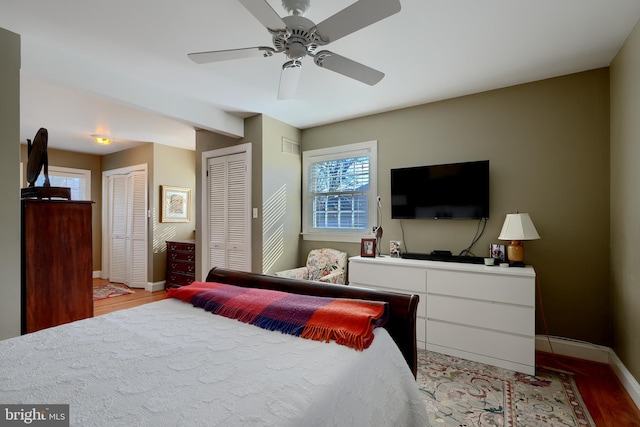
pixel 518 226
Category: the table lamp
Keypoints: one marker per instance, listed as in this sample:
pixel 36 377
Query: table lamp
pixel 516 228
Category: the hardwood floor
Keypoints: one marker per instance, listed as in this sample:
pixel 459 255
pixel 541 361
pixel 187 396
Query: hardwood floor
pixel 139 297
pixel 608 402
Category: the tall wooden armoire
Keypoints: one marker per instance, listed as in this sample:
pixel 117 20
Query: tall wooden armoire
pixel 56 263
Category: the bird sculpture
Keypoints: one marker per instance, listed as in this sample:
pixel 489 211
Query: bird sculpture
pixel 378 239
pixel 37 158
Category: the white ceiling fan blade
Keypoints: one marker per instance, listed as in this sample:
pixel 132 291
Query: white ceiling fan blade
pixel 226 55
pixel 348 67
pixel 355 17
pixel 289 78
pixel 264 13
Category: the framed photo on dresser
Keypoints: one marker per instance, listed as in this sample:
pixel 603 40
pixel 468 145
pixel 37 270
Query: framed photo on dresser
pixel 368 248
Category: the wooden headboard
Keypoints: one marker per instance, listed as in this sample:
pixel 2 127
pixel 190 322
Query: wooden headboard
pixel 401 324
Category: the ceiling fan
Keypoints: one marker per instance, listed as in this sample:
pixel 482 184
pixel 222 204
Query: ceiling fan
pixel 297 37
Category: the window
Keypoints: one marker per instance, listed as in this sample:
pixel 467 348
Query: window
pixel 340 190
pixel 79 180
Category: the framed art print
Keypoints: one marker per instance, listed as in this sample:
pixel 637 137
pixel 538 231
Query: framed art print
pixel 368 248
pixel 175 204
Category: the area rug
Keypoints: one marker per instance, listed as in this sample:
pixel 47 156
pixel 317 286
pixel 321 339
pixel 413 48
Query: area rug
pixel 461 393
pixel 109 291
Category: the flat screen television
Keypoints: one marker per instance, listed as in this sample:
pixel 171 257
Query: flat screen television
pixel 448 191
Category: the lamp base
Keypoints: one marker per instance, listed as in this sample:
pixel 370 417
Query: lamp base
pixel 516 264
pixel 515 252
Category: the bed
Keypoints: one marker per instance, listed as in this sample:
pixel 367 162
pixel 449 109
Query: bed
pixel 169 363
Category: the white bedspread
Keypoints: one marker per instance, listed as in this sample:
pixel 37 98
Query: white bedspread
pixel 170 364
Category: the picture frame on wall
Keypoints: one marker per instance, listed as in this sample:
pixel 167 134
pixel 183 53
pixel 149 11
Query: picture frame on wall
pixel 368 248
pixel 175 203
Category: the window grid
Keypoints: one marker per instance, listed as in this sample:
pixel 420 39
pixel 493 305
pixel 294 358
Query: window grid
pixel 336 187
pixel 339 192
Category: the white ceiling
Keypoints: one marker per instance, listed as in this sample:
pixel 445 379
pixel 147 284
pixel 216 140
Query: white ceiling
pixel 120 67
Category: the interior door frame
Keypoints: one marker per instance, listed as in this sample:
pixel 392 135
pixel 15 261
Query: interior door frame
pixel 204 229
pixel 106 206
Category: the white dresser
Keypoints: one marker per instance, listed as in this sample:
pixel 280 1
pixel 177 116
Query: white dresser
pixel 480 313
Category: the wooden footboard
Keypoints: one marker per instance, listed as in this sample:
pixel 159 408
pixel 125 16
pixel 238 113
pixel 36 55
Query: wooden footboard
pixel 401 324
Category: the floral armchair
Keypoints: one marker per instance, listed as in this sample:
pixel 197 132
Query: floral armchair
pixel 324 265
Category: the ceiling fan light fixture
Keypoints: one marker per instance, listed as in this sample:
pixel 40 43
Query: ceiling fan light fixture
pixel 102 139
pixel 289 78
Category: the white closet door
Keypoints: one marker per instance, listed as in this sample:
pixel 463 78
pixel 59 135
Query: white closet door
pixel 118 228
pixel 217 212
pixel 137 235
pixel 228 212
pixel 237 217
pixel 128 223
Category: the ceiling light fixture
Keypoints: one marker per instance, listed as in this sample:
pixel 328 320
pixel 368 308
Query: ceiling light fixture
pixel 102 139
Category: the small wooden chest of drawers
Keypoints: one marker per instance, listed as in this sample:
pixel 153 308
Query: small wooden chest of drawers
pixel 181 263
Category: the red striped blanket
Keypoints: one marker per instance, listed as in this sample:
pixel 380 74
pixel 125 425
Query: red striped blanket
pixel 348 322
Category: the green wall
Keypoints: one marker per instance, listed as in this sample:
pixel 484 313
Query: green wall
pixel 275 192
pixel 174 167
pixel 281 192
pixel 165 166
pixel 625 202
pixel 10 178
pixel 548 146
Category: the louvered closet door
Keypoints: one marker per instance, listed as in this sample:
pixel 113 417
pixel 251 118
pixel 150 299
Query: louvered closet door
pixel 128 221
pixel 228 212
pixel 118 228
pixel 137 236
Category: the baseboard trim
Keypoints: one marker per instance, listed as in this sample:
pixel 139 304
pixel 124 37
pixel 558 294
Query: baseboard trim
pixel 573 348
pixel 155 286
pixel 625 377
pixel 595 353
pixel 97 274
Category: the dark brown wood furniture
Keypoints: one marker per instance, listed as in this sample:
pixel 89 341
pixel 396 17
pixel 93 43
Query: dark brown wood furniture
pixel 56 262
pixel 401 324
pixel 181 263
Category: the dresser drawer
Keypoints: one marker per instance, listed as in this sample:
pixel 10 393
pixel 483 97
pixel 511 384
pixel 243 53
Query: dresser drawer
pixel 179 279
pixel 181 246
pixel 184 267
pixel 510 318
pixel 405 279
pixel 181 256
pixel 508 289
pixel 476 341
pixel 422 303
